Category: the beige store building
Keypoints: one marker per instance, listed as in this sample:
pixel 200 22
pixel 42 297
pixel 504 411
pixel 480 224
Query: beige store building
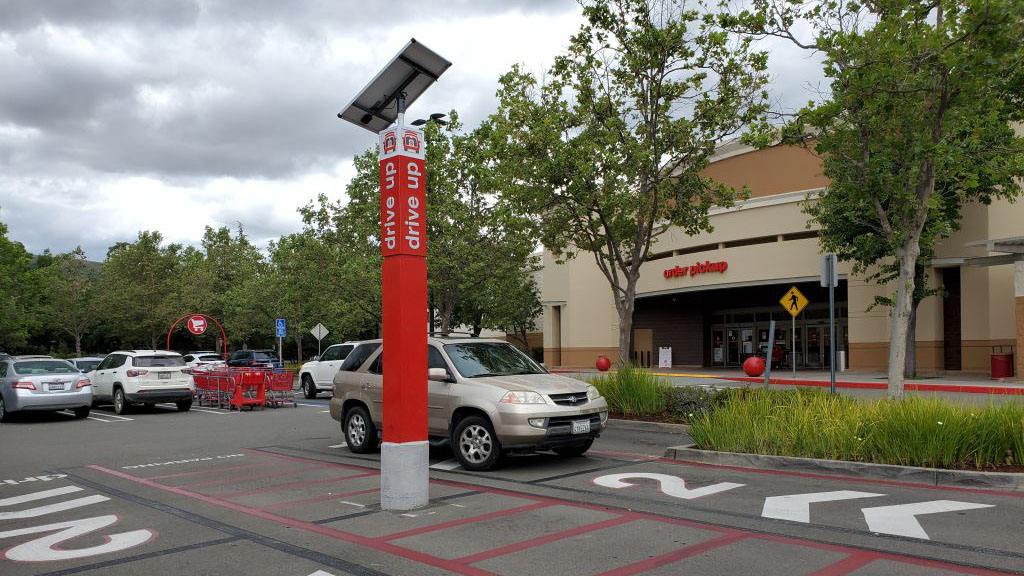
pixel 710 297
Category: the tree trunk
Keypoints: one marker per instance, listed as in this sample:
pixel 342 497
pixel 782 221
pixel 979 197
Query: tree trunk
pixel 298 345
pixel 901 311
pixel 625 309
pixel 910 367
pixel 78 345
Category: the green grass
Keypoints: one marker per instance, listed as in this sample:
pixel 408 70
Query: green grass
pixel 633 392
pixel 913 431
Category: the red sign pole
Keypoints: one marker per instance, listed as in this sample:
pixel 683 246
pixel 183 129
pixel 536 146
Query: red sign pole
pixel 404 451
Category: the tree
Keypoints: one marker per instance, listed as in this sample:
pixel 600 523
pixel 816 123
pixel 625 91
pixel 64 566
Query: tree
pixel 17 293
pixel 514 306
pixel 71 298
pixel 921 99
pixel 605 155
pixel 136 291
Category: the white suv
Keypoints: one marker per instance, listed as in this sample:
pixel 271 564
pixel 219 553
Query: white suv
pixel 318 375
pixel 147 377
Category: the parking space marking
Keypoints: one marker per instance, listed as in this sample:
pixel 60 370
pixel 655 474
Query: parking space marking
pixel 901 520
pixel 450 464
pixel 278 487
pixel 797 507
pixel 342 445
pixel 669 485
pixel 292 503
pixel 385 544
pixel 98 419
pixel 116 417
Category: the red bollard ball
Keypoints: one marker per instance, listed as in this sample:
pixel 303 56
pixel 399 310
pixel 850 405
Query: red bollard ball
pixel 603 363
pixel 753 366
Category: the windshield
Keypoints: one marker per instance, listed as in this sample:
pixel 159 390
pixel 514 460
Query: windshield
pixel 87 365
pixel 158 361
pixel 211 358
pixel 44 367
pixel 476 359
pixel 263 357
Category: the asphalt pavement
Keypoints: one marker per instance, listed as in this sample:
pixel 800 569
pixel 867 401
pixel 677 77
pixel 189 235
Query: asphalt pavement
pixel 277 492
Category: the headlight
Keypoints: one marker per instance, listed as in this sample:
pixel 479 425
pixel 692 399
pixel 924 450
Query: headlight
pixel 522 397
pixel 592 393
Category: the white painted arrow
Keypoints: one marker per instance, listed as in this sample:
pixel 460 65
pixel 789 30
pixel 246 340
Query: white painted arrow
pixel 797 507
pixel 899 520
pixel 670 485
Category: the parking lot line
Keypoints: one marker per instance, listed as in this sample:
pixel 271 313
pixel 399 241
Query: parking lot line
pixel 532 542
pixel 469 520
pixel 675 555
pixel 210 471
pixel 235 479
pixel 98 419
pixel 277 487
pixel 115 416
pixel 292 503
pixel 218 412
pixel 846 565
pixel 449 464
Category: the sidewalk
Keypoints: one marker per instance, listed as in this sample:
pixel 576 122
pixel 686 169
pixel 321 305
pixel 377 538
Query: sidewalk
pixel 960 383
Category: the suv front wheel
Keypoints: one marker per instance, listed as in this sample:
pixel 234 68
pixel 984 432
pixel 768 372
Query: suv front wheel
pixel 360 433
pixel 308 387
pixel 475 444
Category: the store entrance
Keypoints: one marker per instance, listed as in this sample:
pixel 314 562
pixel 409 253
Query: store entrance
pixel 732 343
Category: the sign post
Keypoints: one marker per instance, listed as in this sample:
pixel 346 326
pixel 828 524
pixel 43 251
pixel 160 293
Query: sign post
pixel 319 332
pixel 281 333
pixel 771 352
pixel 380 107
pixel 830 278
pixel 794 302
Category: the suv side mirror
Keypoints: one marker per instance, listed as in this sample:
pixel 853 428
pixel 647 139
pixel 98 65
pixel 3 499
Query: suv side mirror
pixel 438 375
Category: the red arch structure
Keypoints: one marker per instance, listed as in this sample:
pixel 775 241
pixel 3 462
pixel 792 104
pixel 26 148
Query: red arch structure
pixel 223 336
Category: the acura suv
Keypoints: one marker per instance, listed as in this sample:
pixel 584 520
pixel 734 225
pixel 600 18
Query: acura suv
pixel 484 397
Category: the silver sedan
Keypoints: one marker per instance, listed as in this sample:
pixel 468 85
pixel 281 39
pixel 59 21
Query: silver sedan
pixel 42 384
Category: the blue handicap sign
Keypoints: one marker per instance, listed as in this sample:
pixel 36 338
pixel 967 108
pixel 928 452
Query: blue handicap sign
pixel 281 333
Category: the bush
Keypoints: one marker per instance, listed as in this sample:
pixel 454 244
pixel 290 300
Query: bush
pixel 685 403
pixel 633 392
pixel 912 431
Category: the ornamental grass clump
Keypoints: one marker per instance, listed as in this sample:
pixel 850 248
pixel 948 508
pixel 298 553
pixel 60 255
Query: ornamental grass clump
pixel 912 431
pixel 633 392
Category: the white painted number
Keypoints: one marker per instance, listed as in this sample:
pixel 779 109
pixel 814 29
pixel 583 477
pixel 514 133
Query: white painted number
pixel 47 548
pixel 797 507
pixel 670 485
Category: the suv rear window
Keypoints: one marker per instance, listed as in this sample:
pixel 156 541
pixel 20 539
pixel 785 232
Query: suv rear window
pixel 209 358
pixel 29 367
pixel 359 355
pixel 157 361
pixel 263 357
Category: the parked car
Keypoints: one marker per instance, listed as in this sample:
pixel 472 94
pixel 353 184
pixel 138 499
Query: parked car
pixel 199 359
pixel 86 363
pixel 147 377
pixel 484 397
pixel 255 359
pixel 317 375
pixel 42 384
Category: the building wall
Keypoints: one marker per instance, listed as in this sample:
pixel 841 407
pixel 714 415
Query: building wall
pixel 771 224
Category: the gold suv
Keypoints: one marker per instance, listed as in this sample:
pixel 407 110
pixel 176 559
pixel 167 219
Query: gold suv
pixel 484 396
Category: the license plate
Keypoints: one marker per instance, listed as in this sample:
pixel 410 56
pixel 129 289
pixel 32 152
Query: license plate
pixel 163 375
pixel 55 386
pixel 580 426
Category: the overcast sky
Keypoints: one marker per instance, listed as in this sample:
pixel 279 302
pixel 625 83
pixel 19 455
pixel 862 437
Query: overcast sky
pixel 171 115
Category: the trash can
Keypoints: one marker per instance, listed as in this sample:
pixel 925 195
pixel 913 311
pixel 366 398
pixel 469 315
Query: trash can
pixel 1002 362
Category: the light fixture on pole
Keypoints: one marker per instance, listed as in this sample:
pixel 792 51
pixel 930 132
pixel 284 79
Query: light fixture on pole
pixel 380 107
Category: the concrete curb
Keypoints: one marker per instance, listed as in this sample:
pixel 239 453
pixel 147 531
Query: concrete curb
pixel 648 426
pixel 1008 481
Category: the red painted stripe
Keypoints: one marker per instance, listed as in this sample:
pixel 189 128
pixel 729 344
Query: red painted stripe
pixel 846 565
pixel 292 503
pixel 462 521
pixel 675 556
pixel 211 471
pixel 300 484
pixel 301 459
pixel 239 479
pixel 309 527
pixel 532 542
pixel 959 388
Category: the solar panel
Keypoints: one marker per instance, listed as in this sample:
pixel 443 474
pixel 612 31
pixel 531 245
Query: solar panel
pixel 411 72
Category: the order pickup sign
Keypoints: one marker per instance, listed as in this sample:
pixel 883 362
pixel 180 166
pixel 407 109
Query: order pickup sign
pixel 402 192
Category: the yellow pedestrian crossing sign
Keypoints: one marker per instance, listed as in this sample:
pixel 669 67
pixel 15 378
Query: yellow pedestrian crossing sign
pixel 794 302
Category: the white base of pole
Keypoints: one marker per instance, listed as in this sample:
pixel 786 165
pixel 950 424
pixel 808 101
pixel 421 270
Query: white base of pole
pixel 404 475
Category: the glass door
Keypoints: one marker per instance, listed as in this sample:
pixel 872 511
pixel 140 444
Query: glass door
pixel 815 345
pixel 718 347
pixel 746 343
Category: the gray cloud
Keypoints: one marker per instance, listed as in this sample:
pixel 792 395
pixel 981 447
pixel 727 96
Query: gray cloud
pixel 188 94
